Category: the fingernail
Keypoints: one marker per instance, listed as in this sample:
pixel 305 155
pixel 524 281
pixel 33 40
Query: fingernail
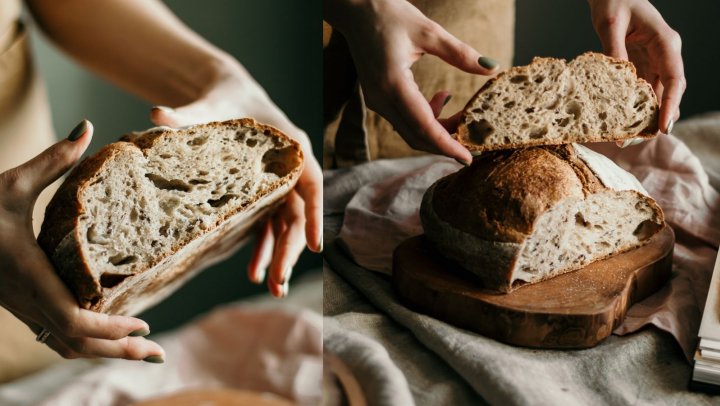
pixel 142 332
pixel 165 109
pixel 260 277
pixel 488 63
pixel 285 288
pixel 447 99
pixel 475 153
pixel 155 359
pixel 78 131
pixel 670 125
pixel 287 275
pixel 322 242
pixel 461 162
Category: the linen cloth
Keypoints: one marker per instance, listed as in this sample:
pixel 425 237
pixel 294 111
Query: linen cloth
pixel 645 367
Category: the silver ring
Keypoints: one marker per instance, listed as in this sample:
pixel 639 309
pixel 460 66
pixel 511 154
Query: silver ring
pixel 43 336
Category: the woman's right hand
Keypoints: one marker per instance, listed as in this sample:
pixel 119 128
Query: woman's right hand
pixel 30 288
pixel 385 38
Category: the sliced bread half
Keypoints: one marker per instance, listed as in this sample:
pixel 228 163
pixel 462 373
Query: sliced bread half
pixel 133 222
pixel 592 98
pixel 523 216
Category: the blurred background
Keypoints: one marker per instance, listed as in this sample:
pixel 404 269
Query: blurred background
pixel 276 44
pixel 562 28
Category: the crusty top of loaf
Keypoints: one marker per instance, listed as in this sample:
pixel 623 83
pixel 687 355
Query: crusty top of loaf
pixel 501 194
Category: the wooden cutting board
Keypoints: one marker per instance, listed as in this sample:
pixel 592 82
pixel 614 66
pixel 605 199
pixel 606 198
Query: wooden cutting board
pixel 575 310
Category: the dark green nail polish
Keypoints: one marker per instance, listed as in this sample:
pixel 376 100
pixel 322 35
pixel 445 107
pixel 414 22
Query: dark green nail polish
pixel 670 125
pixel 155 359
pixel 462 162
pixel 447 99
pixel 78 131
pixel 139 333
pixel 487 63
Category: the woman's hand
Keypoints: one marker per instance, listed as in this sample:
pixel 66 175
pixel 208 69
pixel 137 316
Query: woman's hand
pixel 385 38
pixel 235 94
pixel 30 288
pixel 635 30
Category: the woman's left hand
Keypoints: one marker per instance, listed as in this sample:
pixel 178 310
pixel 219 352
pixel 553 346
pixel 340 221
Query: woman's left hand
pixel 634 30
pixel 236 94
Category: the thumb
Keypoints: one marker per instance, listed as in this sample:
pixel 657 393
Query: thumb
pixel 459 54
pixel 39 172
pixel 612 33
pixel 190 114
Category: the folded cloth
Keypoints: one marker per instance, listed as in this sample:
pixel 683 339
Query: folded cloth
pixel 384 213
pixel 263 350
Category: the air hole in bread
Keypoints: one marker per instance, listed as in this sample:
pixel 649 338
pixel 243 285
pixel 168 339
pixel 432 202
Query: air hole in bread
pixel 480 130
pixel 519 79
pixel 251 142
pixel 110 280
pixel 646 229
pixel 197 141
pixel 530 110
pixel 509 105
pixel 280 161
pixel 239 136
pixel 580 220
pixel 538 132
pixel 602 115
pixel 233 171
pixel 633 125
pixel 222 201
pixel 165 156
pixel 574 108
pixel 122 259
pixel 198 182
pixel 539 79
pixel 164 184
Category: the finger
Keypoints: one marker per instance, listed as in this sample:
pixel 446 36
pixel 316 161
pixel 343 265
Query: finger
pixel 672 76
pixel 290 241
pixel 310 189
pixel 167 116
pixel 421 122
pixel 60 309
pixel 262 254
pixel 451 123
pixel 447 47
pixel 30 178
pixel 130 348
pixel 438 101
pixel 612 31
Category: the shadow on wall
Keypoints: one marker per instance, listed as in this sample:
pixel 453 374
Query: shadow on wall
pixel 279 58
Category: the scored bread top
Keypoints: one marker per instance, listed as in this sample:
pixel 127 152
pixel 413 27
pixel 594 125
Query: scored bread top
pixel 499 197
pixel 592 98
pixel 138 202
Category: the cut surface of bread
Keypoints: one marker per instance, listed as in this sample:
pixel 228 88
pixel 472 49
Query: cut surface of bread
pixel 592 98
pixel 522 216
pixel 131 223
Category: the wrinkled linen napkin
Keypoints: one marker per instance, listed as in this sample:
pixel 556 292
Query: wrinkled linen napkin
pixel 384 213
pixel 258 349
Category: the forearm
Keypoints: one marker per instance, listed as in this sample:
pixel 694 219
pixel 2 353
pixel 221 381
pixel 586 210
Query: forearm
pixel 137 44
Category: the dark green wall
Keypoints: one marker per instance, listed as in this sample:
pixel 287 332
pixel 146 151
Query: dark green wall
pixel 278 41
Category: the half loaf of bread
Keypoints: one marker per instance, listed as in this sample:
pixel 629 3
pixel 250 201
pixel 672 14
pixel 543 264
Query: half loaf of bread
pixel 135 221
pixel 522 216
pixel 592 98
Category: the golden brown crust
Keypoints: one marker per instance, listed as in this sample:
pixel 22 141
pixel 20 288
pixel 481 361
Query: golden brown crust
pixel 502 193
pixel 58 236
pixel 463 135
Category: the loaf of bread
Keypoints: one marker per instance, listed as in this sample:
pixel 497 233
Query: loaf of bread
pixel 521 216
pixel 136 220
pixel 592 98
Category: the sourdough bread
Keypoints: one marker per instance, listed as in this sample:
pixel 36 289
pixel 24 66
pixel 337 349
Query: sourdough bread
pixel 133 222
pixel 592 98
pixel 522 216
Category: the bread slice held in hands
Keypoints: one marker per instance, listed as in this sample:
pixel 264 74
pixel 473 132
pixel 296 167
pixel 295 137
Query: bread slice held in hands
pixel 136 220
pixel 592 98
pixel 522 216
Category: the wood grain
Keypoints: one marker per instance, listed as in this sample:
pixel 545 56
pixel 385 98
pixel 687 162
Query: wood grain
pixel 575 310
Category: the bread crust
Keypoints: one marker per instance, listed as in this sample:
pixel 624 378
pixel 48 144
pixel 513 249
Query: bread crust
pixel 60 233
pixel 463 133
pixel 481 216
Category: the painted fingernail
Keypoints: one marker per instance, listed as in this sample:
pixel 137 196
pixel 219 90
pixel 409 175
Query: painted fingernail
pixel 285 288
pixel 155 359
pixel 142 332
pixel 78 131
pixel 165 109
pixel 287 275
pixel 488 63
pixel 322 242
pixel 461 162
pixel 447 100
pixel 670 125
pixel 475 153
pixel 260 276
